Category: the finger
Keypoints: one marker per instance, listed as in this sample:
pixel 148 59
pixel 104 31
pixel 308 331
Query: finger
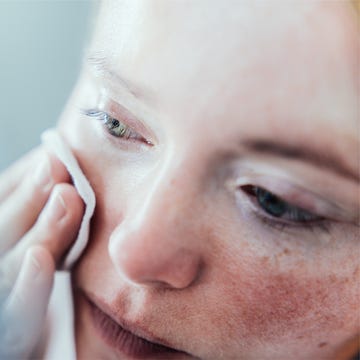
pixel 12 176
pixel 56 228
pixel 20 210
pixel 24 312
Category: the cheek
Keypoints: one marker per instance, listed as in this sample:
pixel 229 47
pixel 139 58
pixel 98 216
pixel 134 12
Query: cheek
pixel 275 290
pixel 278 306
pixel 282 302
pixel 95 261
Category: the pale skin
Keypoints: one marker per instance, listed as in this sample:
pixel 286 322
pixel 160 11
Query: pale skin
pixel 176 246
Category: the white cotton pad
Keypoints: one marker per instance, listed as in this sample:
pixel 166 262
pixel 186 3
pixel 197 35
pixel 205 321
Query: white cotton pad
pixel 56 144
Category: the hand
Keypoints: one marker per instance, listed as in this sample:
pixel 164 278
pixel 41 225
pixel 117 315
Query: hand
pixel 40 214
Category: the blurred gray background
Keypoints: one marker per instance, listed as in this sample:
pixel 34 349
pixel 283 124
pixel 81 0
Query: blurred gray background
pixel 41 45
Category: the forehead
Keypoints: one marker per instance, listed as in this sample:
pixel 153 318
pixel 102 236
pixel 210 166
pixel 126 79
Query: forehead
pixel 293 61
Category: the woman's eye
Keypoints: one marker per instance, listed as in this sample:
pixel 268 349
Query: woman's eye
pixel 114 126
pixel 274 206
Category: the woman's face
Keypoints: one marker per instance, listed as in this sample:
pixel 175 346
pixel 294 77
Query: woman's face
pixel 227 223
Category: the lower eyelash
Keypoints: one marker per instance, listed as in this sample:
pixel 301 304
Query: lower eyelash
pixel 322 225
pixel 279 224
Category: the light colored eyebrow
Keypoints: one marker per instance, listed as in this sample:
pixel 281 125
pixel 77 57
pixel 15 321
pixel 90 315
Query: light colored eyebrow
pixel 103 68
pixel 327 159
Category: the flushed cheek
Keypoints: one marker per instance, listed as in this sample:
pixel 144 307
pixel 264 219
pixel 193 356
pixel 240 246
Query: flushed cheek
pixel 276 307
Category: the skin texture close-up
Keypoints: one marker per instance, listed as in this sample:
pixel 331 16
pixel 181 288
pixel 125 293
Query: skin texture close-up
pixel 221 140
pixel 216 101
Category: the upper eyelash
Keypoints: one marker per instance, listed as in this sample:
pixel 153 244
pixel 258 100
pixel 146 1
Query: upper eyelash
pixel 100 115
pixel 105 117
pixel 280 223
pixel 93 113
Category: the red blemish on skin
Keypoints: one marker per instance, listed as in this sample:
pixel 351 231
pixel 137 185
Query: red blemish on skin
pixel 286 251
pixel 322 344
pixel 356 272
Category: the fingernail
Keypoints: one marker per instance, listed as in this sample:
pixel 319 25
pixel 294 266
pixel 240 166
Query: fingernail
pixel 42 174
pixel 56 207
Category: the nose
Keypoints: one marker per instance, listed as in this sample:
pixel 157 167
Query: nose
pixel 156 244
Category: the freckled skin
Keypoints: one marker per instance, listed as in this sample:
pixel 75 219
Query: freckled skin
pixel 247 290
pixel 282 307
pixel 272 309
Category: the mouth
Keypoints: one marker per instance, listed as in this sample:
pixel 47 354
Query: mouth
pixel 127 339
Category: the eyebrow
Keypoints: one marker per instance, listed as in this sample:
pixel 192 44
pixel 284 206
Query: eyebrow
pixel 103 68
pixel 325 160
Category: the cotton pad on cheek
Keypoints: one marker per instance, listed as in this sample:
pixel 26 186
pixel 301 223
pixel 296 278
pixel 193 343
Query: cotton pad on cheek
pixel 56 144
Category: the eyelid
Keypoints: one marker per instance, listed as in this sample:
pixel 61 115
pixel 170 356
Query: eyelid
pixel 296 196
pixel 119 112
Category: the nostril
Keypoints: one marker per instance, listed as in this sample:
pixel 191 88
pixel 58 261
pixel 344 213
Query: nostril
pixel 149 261
pixel 184 271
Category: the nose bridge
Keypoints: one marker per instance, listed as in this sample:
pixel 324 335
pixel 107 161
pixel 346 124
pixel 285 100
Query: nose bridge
pixel 164 199
pixel 155 242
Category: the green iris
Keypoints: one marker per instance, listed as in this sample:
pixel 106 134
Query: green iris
pixel 115 127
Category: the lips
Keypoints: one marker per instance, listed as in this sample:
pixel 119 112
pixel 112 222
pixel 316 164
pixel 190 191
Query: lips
pixel 125 341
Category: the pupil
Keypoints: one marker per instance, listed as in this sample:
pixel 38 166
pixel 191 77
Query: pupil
pixel 271 203
pixel 115 123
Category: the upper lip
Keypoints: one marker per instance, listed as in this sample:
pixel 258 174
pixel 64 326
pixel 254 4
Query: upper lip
pixel 128 326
